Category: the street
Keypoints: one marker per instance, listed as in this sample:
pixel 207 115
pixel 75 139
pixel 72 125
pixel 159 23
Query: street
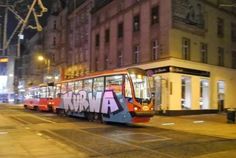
pixel 30 134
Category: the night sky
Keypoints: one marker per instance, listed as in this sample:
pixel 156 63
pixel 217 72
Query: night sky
pixel 22 11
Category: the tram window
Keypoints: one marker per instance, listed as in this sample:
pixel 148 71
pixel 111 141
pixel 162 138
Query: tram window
pixel 88 85
pixel 35 94
pixel 114 83
pixel 50 92
pixel 58 90
pixel 70 86
pixel 98 84
pixel 64 88
pixel 128 92
pixel 78 86
pixel 43 92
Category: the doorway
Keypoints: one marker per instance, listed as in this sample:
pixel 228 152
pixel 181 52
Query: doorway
pixel 186 95
pixel 204 94
pixel 221 95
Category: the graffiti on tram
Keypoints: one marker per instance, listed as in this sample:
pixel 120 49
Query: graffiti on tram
pixel 99 102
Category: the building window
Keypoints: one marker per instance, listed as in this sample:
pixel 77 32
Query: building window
pixel 220 27
pixel 233 32
pixel 54 41
pixel 97 40
pixel 155 50
pixel 120 30
pixel 136 54
pixel 155 15
pixel 220 56
pixel 54 25
pixel 136 23
pixel 53 57
pixel 234 59
pixel 203 51
pixel 119 59
pixel 107 36
pixel 186 48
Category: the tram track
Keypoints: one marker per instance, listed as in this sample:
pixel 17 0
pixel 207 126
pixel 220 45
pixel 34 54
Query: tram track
pixel 72 143
pixel 29 119
pixel 126 146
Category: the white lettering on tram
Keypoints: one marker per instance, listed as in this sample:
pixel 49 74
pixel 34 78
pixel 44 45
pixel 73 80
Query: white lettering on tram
pixel 100 102
pixel 83 102
pixel 109 103
pixel 95 102
pixel 67 100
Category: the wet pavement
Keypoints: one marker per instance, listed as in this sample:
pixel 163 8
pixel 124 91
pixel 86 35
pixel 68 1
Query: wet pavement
pixel 30 134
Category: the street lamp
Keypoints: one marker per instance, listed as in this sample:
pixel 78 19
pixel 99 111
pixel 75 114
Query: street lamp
pixel 40 58
pixel 47 62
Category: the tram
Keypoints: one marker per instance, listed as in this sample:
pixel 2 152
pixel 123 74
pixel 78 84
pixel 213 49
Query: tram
pixel 40 98
pixel 121 96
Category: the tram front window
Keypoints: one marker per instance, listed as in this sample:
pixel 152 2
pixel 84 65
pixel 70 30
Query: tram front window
pixel 141 88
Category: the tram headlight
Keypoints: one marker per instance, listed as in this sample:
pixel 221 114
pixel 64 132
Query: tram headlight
pixel 50 103
pixel 135 108
pixel 145 108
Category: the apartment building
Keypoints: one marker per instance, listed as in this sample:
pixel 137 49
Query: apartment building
pixel 79 23
pixel 188 46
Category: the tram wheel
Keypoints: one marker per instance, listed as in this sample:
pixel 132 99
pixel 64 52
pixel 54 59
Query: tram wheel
pixel 98 117
pixel 36 108
pixel 61 112
pixel 90 116
pixel 67 112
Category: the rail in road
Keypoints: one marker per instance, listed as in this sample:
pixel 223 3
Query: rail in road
pixel 91 139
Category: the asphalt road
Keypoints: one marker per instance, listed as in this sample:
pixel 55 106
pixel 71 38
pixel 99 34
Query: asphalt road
pixel 25 133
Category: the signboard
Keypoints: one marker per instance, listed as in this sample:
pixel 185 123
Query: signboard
pixel 181 70
pixel 190 12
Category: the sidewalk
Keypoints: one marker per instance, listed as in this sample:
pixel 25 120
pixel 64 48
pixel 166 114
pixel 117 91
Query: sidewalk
pixel 20 141
pixel 208 124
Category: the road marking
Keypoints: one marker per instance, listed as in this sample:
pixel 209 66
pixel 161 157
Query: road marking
pixel 147 137
pixel 198 121
pixel 168 124
pixel 3 133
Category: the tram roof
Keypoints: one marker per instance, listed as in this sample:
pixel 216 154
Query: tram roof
pixel 106 73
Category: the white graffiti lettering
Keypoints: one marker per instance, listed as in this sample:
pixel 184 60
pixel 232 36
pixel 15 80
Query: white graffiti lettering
pixel 108 103
pixel 95 102
pixel 67 100
pixel 83 102
pixel 100 102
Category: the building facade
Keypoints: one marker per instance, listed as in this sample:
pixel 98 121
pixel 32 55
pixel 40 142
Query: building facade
pixel 187 46
pixel 79 23
pixel 55 42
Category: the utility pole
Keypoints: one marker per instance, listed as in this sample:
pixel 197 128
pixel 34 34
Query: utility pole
pixel 1 42
pixel 5 30
pixel 23 22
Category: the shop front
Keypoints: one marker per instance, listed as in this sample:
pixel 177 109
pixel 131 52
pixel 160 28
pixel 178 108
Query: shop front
pixel 185 87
